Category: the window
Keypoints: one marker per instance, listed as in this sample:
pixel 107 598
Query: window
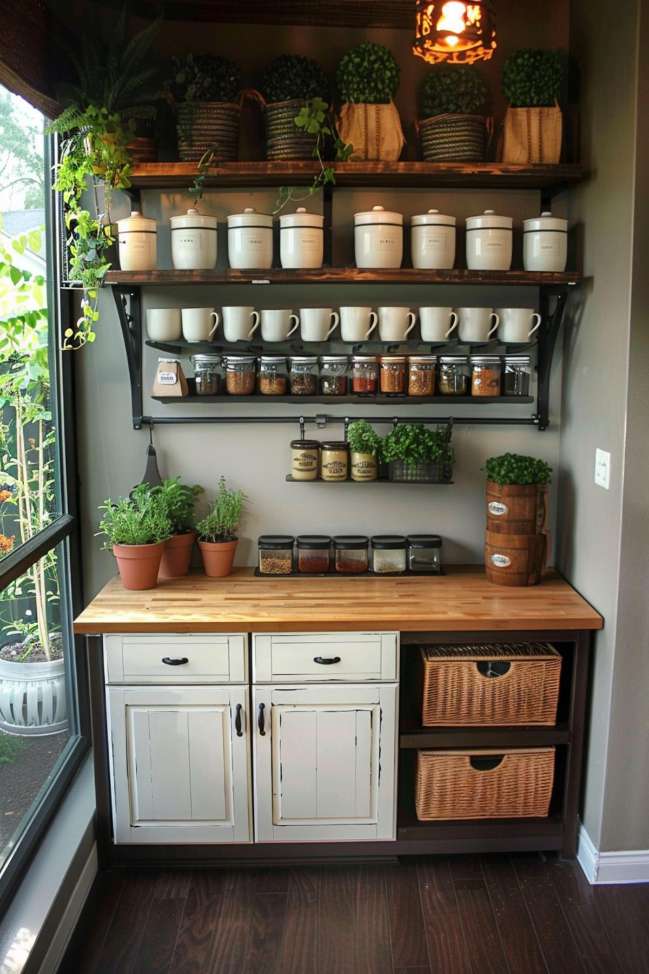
pixel 41 739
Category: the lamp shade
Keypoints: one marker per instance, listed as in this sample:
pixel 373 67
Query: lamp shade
pixel 454 31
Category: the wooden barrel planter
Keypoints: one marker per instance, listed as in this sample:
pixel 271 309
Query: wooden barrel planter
pixel 515 559
pixel 515 509
pixel 284 140
pixel 208 126
pixel 453 138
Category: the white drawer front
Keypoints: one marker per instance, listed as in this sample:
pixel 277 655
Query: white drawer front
pixel 189 659
pixel 325 657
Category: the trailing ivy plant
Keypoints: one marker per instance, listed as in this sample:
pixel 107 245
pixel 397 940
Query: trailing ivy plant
pixel 368 74
pixel 457 90
pixel 533 78
pixel 363 438
pixel 222 520
pixel 515 469
pixel 413 443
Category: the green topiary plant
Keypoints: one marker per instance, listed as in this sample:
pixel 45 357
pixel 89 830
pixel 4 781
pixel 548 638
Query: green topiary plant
pixel 221 522
pixel 292 76
pixel 204 77
pixel 515 469
pixel 180 501
pixel 368 74
pixel 413 443
pixel 363 438
pixel 533 78
pixel 455 90
pixel 140 519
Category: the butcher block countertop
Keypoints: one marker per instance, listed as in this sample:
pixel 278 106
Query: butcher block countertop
pixel 461 601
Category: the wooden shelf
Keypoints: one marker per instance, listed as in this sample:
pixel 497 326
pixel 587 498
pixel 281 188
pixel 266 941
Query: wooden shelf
pixel 358 400
pixel 415 736
pixel 337 347
pixel 487 835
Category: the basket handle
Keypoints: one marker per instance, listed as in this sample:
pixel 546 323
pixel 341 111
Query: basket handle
pixel 489 763
pixel 493 668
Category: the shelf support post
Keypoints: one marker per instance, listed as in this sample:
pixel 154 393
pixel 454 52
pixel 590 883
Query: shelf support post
pixel 129 311
pixel 553 318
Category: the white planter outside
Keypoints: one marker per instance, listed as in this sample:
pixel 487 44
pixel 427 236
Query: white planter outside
pixel 32 698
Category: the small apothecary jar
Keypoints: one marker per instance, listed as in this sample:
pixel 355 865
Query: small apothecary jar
pixel 334 460
pixel 486 375
pixel 137 237
pixel 305 459
pixel 518 375
pixel 425 554
pixel 389 554
pixel 275 552
pixel 301 240
pixel 453 375
pixel 250 240
pixel 333 375
pixel 303 375
pixel 421 375
pixel 365 375
pixel 351 555
pixel 207 374
pixel 313 554
pixel 432 241
pixel 272 378
pixel 240 371
pixel 193 241
pixel 393 375
pixel 489 242
pixel 378 239
pixel 545 243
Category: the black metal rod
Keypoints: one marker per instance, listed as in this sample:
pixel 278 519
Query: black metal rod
pixel 17 562
pixel 325 419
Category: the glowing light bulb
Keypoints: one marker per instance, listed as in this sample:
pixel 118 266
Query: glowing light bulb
pixel 452 40
pixel 452 18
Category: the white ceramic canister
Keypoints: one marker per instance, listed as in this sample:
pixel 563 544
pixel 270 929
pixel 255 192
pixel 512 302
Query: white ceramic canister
pixel 138 237
pixel 432 241
pixel 545 243
pixel 489 242
pixel 193 241
pixel 301 240
pixel 378 238
pixel 250 240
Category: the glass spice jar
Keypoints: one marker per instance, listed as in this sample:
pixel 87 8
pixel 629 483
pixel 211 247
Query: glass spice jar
pixel 275 552
pixel 388 554
pixel 305 459
pixel 350 554
pixel 333 375
pixel 518 376
pixel 424 554
pixel 240 375
pixel 272 379
pixel 393 375
pixel 421 375
pixel 334 461
pixel 207 379
pixel 453 375
pixel 313 554
pixel 486 375
pixel 303 376
pixel 365 375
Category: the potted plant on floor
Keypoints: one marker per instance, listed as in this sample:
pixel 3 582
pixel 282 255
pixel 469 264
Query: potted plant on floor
pixel 180 501
pixel 217 532
pixel 368 78
pixel 288 85
pixel 452 126
pixel 365 448
pixel 415 452
pixel 532 82
pixel 206 91
pixel 136 529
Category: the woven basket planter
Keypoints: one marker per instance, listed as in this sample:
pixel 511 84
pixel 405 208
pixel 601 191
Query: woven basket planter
pixel 453 138
pixel 484 784
pixel 208 126
pixel 430 473
pixel 284 140
pixel 490 685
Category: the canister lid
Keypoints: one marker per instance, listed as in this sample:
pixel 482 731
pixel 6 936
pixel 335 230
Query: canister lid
pixel 485 359
pixel 335 445
pixel 239 359
pixel 301 218
pixel 313 541
pixel 304 359
pixel 305 444
pixel 424 541
pixel 393 359
pixel 377 215
pixel 364 359
pixel 250 218
pixel 351 541
pixel 206 359
pixel 433 219
pixel 453 359
pixel 334 359
pixel 517 360
pixel 388 541
pixel 489 220
pixel 545 222
pixel 422 359
pixel 193 220
pixel 136 222
pixel 272 359
pixel 275 541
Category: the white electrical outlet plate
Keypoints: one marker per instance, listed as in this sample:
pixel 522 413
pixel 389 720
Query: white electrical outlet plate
pixel 602 468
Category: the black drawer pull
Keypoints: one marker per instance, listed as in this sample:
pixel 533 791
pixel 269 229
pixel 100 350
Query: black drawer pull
pixel 170 661
pixel 261 720
pixel 237 721
pixel 326 660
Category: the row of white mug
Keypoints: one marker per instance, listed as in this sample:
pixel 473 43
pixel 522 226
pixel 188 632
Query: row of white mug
pixel 357 324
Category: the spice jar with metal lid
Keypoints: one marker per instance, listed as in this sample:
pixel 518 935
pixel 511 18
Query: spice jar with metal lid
pixel 305 459
pixel 425 553
pixel 421 375
pixel 334 460
pixel 272 379
pixel 207 378
pixel 453 375
pixel 365 375
pixel 304 375
pixel 486 375
pixel 350 554
pixel 313 553
pixel 240 375
pixel 388 554
pixel 518 375
pixel 275 553
pixel 393 375
pixel 333 375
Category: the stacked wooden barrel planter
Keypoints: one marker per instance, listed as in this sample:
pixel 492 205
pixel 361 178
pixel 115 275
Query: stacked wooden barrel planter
pixel 516 540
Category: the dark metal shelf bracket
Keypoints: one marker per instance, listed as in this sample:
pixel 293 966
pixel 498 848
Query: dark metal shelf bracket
pixel 129 311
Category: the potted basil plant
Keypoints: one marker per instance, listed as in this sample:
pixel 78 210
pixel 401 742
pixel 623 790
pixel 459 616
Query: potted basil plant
pixel 136 529
pixel 532 82
pixel 365 448
pixel 415 452
pixel 217 532
pixel 368 78
pixel 452 125
pixel 180 501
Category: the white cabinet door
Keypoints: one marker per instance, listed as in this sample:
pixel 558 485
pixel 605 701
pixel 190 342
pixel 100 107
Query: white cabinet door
pixel 180 767
pixel 324 762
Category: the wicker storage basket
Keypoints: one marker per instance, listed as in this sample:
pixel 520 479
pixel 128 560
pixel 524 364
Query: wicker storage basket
pixel 208 126
pixel 484 784
pixel 453 138
pixel 284 140
pixel 492 685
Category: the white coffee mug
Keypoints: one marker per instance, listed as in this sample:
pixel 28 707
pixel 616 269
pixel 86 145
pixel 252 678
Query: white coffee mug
pixel 276 324
pixel 395 324
pixel 434 324
pixel 317 324
pixel 239 323
pixel 357 324
pixel 477 324
pixel 518 324
pixel 199 324
pixel 163 324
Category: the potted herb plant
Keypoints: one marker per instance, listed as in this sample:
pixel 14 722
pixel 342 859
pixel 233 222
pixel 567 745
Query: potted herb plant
pixel 217 538
pixel 136 529
pixel 452 125
pixel 206 91
pixel 365 448
pixel 367 79
pixel 288 85
pixel 180 501
pixel 532 82
pixel 415 452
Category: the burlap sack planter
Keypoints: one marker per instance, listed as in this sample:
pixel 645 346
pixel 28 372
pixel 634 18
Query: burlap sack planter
pixel 208 126
pixel 374 131
pixel 453 138
pixel 284 140
pixel 533 135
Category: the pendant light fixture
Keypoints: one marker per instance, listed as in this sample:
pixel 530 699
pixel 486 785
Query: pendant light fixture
pixel 454 31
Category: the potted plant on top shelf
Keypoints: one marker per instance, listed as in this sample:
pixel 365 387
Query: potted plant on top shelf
pixel 180 501
pixel 136 529
pixel 452 126
pixel 365 448
pixel 206 92
pixel 217 531
pixel 368 78
pixel 532 82
pixel 288 85
pixel 414 452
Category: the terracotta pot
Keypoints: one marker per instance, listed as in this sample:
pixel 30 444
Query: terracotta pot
pixel 177 555
pixel 516 509
pixel 515 559
pixel 139 564
pixel 218 557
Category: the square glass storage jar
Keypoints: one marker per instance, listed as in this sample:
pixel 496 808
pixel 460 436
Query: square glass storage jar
pixel 388 554
pixel 313 554
pixel 275 554
pixel 350 554
pixel 425 554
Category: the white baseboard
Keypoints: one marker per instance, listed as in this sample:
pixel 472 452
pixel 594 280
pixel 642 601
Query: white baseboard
pixel 70 918
pixel 601 868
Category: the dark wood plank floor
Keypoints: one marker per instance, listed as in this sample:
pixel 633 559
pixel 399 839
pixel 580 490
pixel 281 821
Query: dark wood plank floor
pixel 521 914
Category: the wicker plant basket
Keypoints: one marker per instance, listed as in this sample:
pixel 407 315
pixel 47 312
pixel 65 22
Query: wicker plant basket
pixel 453 138
pixel 284 140
pixel 490 685
pixel 208 126
pixel 484 784
pixel 430 473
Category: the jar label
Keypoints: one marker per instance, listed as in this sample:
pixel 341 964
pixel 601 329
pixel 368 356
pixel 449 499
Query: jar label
pixel 497 508
pixel 167 378
pixel 501 561
pixel 305 461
